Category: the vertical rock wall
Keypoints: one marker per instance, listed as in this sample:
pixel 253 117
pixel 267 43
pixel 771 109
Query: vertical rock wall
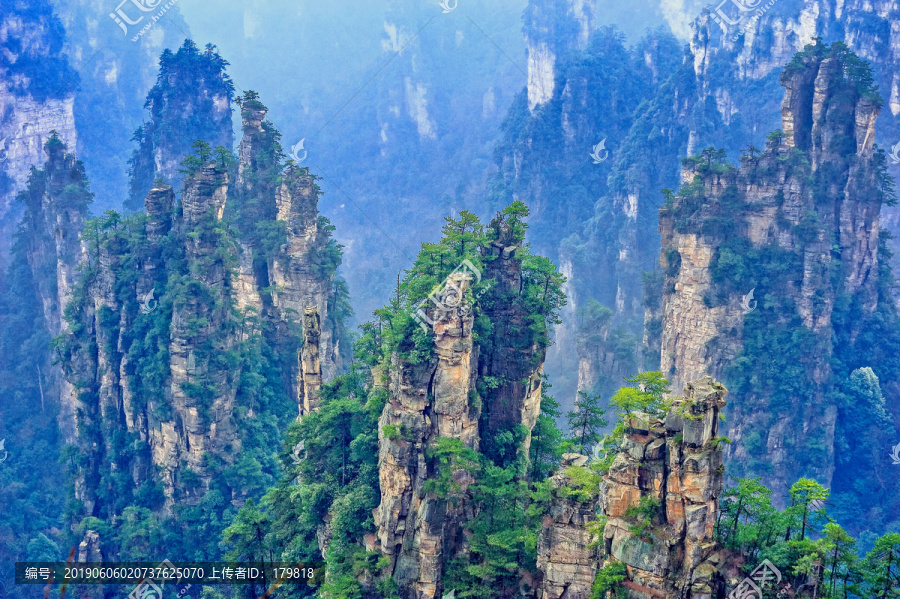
pixel 551 30
pixel 30 108
pixel 676 464
pixel 811 203
pixel 195 294
pixel 567 550
pixel 428 402
pixel 511 355
pixel 56 207
pixel 310 364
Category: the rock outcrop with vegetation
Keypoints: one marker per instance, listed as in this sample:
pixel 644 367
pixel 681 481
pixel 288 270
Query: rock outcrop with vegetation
pixel 777 280
pixel 661 498
pixel 187 332
pixel 191 100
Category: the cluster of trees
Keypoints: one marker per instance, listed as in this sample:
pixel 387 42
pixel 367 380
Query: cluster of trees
pixel 180 115
pixel 817 557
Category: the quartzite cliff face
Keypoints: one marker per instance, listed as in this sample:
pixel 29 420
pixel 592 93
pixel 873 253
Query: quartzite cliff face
pixel 725 94
pixel 167 332
pixel 428 402
pixel 798 226
pixel 33 102
pixel 672 471
pixel 56 201
pixel 567 555
pixel 434 410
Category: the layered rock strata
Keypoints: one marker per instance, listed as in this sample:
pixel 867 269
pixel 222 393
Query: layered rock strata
pixel 804 209
pixel 429 402
pixel 669 472
pixel 567 549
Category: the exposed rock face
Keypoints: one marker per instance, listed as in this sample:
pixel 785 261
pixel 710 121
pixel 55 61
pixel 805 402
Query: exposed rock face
pixel 90 548
pixel 56 207
pixel 546 161
pixel 810 205
pixel 28 113
pixel 511 356
pixel 310 365
pixel 551 30
pixel 428 402
pixel 707 103
pixel 297 272
pixel 567 552
pixel 190 101
pixel 200 299
pixel 190 435
pixel 193 416
pixel 673 470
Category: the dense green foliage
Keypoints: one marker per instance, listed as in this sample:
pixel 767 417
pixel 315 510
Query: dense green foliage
pixel 262 409
pixel 232 351
pixel 805 543
pixel 31 480
pixel 190 101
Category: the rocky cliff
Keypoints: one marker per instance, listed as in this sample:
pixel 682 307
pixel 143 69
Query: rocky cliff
pixel 191 100
pixel 512 356
pixel 191 327
pixel 36 97
pixel 557 157
pixel 764 264
pixel 420 529
pixel 725 94
pixel 56 201
pixel 552 30
pixel 567 547
pixel 463 399
pixel 660 499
